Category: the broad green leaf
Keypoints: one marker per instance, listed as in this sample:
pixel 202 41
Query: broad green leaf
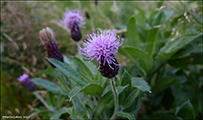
pixel 93 89
pixel 84 69
pixel 74 92
pixel 78 105
pixel 131 97
pixel 39 111
pixel 106 101
pixel 90 89
pixel 70 72
pixel 186 111
pixel 74 116
pixel 49 71
pixel 140 84
pixel 126 115
pixel 179 96
pixel 59 112
pixel 172 47
pixel 134 107
pixel 52 87
pixel 197 18
pixel 164 83
pixel 152 35
pixel 125 79
pixel 132 33
pixel 145 61
pixel 151 41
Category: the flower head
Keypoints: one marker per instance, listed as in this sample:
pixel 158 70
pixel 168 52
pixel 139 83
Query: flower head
pixel 48 40
pixel 30 86
pixel 103 46
pixel 72 17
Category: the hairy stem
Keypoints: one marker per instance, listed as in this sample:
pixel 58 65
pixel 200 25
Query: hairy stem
pixel 113 87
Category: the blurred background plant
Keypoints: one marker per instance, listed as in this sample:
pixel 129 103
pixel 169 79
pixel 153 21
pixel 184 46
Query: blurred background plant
pixel 169 33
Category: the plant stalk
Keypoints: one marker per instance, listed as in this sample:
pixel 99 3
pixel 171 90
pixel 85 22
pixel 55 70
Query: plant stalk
pixel 43 101
pixel 115 98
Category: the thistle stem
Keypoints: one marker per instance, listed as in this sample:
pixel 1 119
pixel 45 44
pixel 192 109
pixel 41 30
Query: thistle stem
pixel 43 101
pixel 113 87
pixel 78 44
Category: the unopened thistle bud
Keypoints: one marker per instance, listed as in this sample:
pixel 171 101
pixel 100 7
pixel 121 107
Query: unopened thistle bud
pixel 87 14
pixel 30 86
pixel 73 19
pixel 48 40
pixel 103 46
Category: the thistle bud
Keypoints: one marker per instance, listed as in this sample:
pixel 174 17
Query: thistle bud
pixel 30 86
pixel 73 19
pixel 75 32
pixel 48 40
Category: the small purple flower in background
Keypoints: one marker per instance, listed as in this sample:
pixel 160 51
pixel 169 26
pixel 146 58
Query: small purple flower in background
pixel 103 46
pixel 73 19
pixel 30 86
pixel 48 40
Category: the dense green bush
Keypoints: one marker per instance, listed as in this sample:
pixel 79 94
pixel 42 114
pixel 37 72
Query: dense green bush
pixel 160 76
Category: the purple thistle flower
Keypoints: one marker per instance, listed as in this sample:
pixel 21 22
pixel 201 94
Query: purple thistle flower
pixel 73 19
pixel 103 46
pixel 30 86
pixel 48 40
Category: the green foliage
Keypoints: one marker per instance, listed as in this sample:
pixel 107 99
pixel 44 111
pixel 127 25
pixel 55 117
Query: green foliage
pixel 161 61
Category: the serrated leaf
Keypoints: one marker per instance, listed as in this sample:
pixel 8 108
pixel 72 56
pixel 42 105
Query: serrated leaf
pixel 140 84
pixel 145 61
pixel 59 112
pixel 67 70
pixel 165 83
pixel 52 87
pixel 126 115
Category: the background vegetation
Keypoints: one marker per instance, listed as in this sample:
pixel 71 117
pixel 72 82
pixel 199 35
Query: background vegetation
pixel 163 45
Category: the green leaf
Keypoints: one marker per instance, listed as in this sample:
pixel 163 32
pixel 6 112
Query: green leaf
pixel 132 33
pixel 78 105
pixel 52 87
pixel 151 41
pixel 186 111
pixel 126 115
pixel 84 69
pixel 140 84
pixel 74 116
pixel 106 101
pixel 59 112
pixel 70 72
pixel 172 47
pixel 74 92
pixel 125 80
pixel 49 71
pixel 197 18
pixel 90 89
pixel 145 61
pixel 164 83
pixel 131 97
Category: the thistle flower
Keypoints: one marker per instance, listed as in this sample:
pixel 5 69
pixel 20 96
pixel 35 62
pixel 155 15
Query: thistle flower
pixel 48 40
pixel 30 86
pixel 103 46
pixel 73 19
